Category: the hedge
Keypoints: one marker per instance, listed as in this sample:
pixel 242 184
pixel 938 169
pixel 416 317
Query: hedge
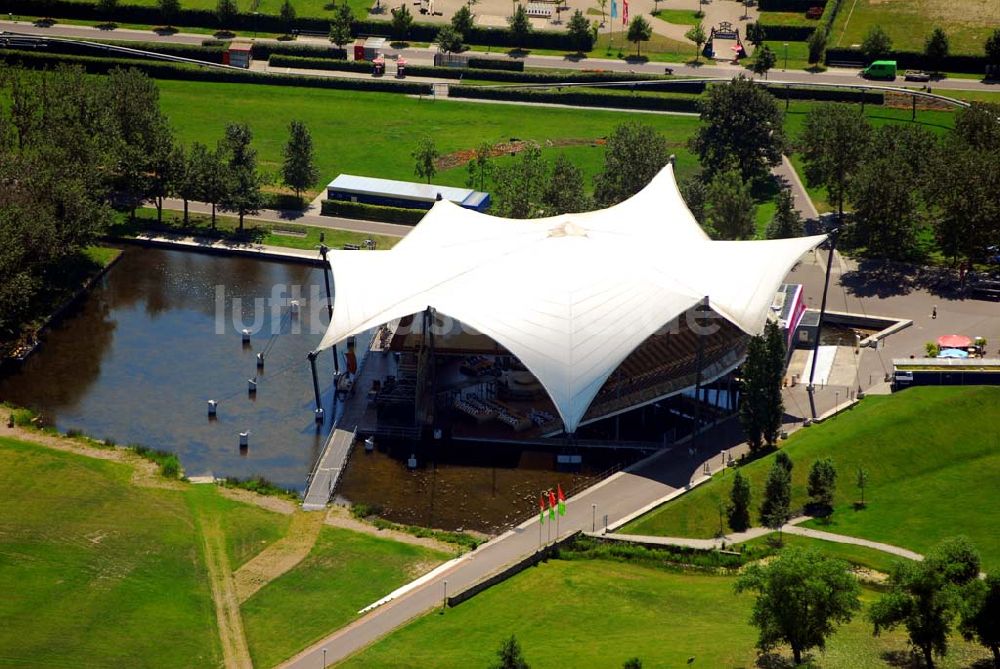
pixel 372 212
pixel 787 33
pixel 210 54
pixel 496 64
pixel 789 5
pixel 679 85
pixel 913 60
pixel 206 18
pixel 161 70
pixel 826 94
pixel 580 98
pixel 264 50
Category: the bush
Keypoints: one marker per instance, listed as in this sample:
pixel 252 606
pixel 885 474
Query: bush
pixel 826 94
pixel 361 511
pixel 170 466
pixel 210 54
pixel 496 64
pixel 582 98
pixel 913 60
pixel 788 5
pixel 372 212
pixel 280 60
pixel 159 70
pixel 260 485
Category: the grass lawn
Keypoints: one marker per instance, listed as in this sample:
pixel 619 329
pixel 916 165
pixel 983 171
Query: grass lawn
pixel 908 22
pixel 933 459
pixel 684 17
pixel 597 613
pixel 307 8
pixel 249 529
pixel 93 568
pixel 391 125
pixel 269 234
pixel 787 19
pixel 345 572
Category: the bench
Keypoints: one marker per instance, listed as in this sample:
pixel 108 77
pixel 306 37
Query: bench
pixel 351 247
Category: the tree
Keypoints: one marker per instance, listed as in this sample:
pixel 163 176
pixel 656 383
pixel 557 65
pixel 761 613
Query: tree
pixel 564 192
pixel 226 12
pixel 698 36
pixel 801 598
pixel 694 192
pixel 739 504
pixel 639 31
pixel 885 209
pixel 817 45
pixel 519 25
pixel 243 195
pixel 603 4
pixel 479 166
pixel 632 663
pixel 425 155
pixel 633 155
pixel 774 406
pixel 740 121
pixel 936 48
pixel 782 458
pixel 168 10
pixel 402 21
pixel 752 393
pixel 775 508
pixel 187 179
pixel 755 33
pixel 449 40
pixel 580 34
pixel 340 24
pixel 462 20
pixel 835 141
pixel 980 620
pixel 991 47
pixel 924 597
pixel 876 43
pixel 822 485
pixel 518 186
pixel 764 60
pixel 861 481
pixel 106 8
pixel 509 655
pixel 213 175
pixel 299 168
pixel 729 210
pixel 786 222
pixel 287 14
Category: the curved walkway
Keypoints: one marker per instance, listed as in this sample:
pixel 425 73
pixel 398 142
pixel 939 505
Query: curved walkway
pixel 792 527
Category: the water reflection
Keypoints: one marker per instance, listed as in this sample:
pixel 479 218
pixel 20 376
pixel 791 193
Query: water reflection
pixel 138 359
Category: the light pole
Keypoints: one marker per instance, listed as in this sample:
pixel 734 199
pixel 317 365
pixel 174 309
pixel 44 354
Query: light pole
pixel 444 602
pixel 593 517
pixel 786 57
pixel 324 658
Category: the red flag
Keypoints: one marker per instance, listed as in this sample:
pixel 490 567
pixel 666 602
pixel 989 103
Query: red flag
pixel 552 505
pixel 624 12
pixel 562 501
pixel 541 509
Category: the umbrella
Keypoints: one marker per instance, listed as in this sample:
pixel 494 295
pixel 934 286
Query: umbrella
pixel 954 341
pixel 953 353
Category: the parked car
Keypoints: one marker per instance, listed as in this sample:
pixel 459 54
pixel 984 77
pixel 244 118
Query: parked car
pixel 917 75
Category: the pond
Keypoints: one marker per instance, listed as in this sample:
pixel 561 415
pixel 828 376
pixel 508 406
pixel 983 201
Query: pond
pixel 138 358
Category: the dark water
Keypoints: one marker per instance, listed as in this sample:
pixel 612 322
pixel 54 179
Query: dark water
pixel 137 360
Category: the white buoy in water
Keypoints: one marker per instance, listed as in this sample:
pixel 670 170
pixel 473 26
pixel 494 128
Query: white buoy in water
pixel 412 462
pixel 260 360
pixel 212 407
pixel 437 433
pixel 244 439
pixel 319 414
pixel 252 385
pixel 246 336
pixel 370 444
pixel 294 304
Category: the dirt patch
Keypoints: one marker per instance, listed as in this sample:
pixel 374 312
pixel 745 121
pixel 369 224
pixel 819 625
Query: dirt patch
pixel 279 557
pixel 340 516
pixel 511 148
pixel 903 101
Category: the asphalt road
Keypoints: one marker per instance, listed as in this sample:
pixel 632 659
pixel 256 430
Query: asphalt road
pixel 425 55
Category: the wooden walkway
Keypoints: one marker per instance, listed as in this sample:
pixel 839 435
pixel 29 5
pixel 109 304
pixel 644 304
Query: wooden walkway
pixel 348 416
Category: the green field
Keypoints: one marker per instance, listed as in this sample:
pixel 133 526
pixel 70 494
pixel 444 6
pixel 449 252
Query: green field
pixel 390 126
pixel 683 17
pixel 908 22
pixel 345 572
pixel 94 567
pixel 933 458
pixel 597 613
pixel 304 8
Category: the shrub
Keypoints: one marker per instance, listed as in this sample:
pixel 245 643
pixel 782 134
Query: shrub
pixel 372 212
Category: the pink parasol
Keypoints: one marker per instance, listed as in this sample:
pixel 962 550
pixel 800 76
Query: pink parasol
pixel 954 341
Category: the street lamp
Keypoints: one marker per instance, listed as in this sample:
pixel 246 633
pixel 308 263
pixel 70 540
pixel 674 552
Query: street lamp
pixel 593 517
pixel 786 57
pixel 324 658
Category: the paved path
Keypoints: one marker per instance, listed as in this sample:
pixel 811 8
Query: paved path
pixel 803 203
pixel 424 55
pixel 792 527
pixel 223 246
pixel 289 216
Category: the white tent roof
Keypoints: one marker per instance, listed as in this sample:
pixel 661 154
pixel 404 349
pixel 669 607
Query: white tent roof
pixel 571 296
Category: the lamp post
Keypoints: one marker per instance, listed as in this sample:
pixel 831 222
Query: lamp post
pixel 324 658
pixel 786 57
pixel 593 517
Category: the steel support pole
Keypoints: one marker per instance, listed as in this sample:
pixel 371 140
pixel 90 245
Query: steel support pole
pixel 312 364
pixel 810 388
pixel 323 250
pixel 697 379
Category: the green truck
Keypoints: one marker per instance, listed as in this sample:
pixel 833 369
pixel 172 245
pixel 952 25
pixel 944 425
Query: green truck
pixel 880 69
